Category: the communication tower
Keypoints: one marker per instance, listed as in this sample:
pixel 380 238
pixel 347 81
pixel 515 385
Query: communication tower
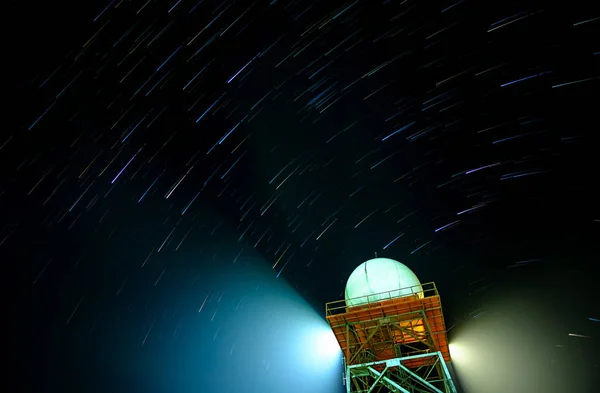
pixel 391 330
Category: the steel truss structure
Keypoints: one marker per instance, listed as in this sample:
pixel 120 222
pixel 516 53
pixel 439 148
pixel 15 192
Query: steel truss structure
pixel 395 344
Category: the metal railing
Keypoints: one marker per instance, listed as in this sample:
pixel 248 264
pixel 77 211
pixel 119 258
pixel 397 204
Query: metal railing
pixel 341 306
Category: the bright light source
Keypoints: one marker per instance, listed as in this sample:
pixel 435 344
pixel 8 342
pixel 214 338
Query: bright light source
pixel 320 349
pixel 456 352
pixel 326 344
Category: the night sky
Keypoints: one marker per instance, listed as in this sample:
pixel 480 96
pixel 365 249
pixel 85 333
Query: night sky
pixel 188 182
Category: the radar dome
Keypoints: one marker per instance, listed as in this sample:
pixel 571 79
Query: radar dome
pixel 378 279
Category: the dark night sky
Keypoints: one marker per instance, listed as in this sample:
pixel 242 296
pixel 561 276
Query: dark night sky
pixel 163 156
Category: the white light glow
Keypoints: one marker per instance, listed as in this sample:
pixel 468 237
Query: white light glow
pixel 326 344
pixel 320 349
pixel 457 352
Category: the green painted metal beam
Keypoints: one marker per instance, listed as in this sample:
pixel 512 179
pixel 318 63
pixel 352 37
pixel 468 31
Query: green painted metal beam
pixel 416 381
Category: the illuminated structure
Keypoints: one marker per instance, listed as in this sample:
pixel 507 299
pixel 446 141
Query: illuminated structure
pixel 391 330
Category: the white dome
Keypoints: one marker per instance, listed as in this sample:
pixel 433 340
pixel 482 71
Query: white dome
pixel 379 279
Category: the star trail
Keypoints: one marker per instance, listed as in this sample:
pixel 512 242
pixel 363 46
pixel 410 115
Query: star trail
pixel 170 166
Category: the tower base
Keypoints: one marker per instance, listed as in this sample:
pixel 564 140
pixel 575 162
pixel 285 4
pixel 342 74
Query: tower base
pixel 392 375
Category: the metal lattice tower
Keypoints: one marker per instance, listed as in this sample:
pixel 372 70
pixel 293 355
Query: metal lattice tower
pixel 394 345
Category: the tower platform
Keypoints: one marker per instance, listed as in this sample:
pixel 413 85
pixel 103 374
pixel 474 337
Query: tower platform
pixel 393 341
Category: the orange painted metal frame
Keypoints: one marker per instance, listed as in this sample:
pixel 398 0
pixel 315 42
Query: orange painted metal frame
pixel 404 321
